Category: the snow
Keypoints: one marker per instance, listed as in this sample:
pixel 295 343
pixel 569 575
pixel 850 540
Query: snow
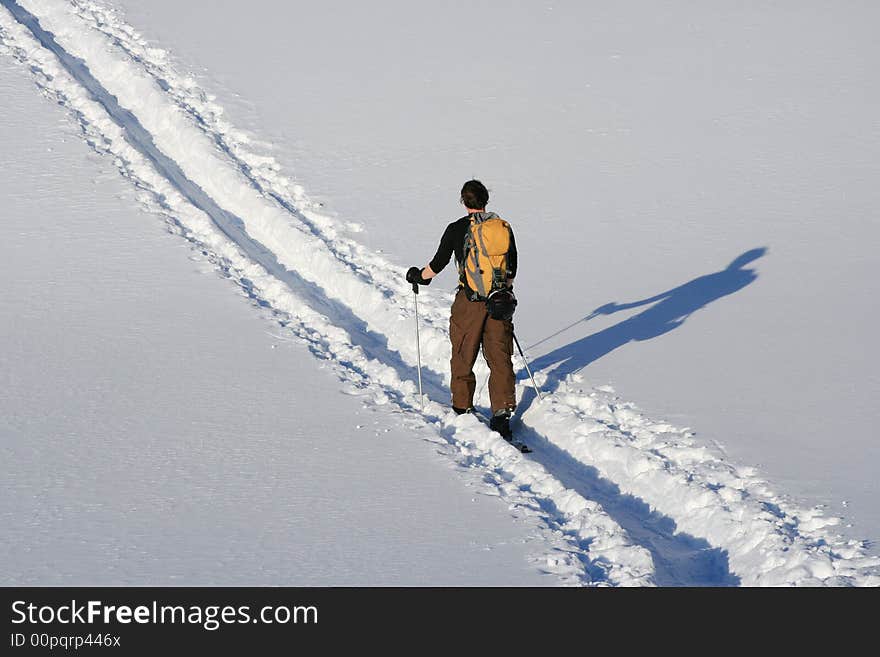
pixel 658 145
pixel 154 429
pixel 621 498
pixel 580 543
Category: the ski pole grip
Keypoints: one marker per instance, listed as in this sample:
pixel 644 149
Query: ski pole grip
pixel 415 288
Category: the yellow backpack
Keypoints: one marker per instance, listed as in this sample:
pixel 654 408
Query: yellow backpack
pixel 486 244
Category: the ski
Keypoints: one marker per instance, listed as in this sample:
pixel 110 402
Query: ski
pixel 514 442
pixel 520 445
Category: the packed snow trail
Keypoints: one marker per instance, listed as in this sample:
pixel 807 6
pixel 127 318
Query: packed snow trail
pixel 639 501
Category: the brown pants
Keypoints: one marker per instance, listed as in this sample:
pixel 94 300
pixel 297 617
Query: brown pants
pixel 469 327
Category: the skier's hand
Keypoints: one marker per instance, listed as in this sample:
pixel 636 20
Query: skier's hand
pixel 607 309
pixel 414 276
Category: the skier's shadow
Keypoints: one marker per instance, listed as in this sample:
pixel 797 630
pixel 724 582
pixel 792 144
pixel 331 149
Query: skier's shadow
pixel 671 308
pixel 680 559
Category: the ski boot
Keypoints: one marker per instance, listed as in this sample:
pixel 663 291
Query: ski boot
pixel 500 422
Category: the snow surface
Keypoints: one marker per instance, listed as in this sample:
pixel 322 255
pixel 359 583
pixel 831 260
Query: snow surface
pixel 658 142
pixel 637 501
pixel 154 429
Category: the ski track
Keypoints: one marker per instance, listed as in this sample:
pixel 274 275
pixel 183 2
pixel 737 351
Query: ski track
pixel 624 499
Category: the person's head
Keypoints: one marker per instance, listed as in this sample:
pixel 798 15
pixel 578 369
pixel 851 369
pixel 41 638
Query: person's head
pixel 474 195
pixel 746 258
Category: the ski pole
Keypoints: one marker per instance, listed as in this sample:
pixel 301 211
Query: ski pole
pixel 418 344
pixel 528 369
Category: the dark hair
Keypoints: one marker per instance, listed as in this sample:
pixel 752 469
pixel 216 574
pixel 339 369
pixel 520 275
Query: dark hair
pixel 474 195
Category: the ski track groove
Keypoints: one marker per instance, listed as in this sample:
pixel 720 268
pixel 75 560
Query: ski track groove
pixel 625 500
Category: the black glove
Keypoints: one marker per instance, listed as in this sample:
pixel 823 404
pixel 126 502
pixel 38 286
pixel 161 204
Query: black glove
pixel 414 276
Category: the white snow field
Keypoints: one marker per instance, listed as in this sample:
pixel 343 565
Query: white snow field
pixel 154 429
pixel 615 496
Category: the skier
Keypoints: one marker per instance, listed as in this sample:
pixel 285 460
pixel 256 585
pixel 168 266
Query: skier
pixel 482 312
